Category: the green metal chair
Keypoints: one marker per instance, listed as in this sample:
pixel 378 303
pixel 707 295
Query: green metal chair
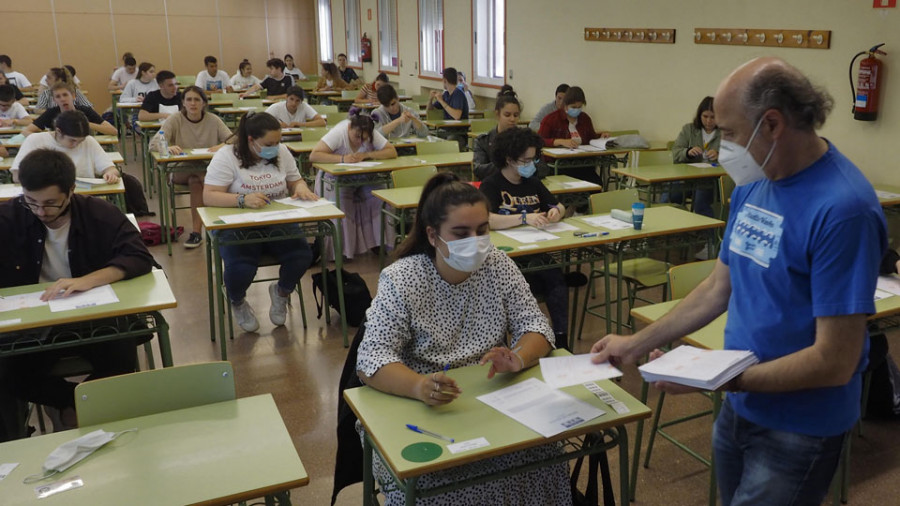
pixel 434 115
pixel 249 102
pixel 225 96
pixel 325 109
pixel 648 158
pixel 482 125
pixel 157 391
pixel 416 176
pixel 349 93
pixel 184 81
pixel 637 273
pixel 434 148
pixel 333 118
pixel 313 134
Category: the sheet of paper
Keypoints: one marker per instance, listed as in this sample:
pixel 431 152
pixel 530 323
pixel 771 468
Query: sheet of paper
pixel 200 151
pixel 5 469
pixel 884 195
pixel 9 191
pixel 602 143
pixel 559 227
pixel 359 165
pixel 542 409
pixel 452 121
pixel 701 165
pixel 98 296
pixel 706 369
pixel 464 446
pixel 11 321
pixel 580 184
pixel 304 204
pixel 561 372
pixel 606 221
pixel 21 301
pixel 589 148
pixel 167 109
pixel 559 151
pixel 247 108
pixel 881 294
pixel 267 216
pixel 889 284
pixel 413 139
pixel 528 235
pixel 90 180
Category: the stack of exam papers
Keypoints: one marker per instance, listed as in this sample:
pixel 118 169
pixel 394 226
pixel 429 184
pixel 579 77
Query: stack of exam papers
pixel 693 367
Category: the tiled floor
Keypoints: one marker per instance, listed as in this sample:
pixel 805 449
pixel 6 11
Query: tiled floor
pixel 301 367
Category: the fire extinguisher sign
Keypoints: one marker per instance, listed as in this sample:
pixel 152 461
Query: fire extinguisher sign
pixel 884 4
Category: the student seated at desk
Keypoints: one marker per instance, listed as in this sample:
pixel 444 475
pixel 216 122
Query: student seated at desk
pixel 164 102
pixel 350 141
pixel 12 113
pixel 78 243
pixel 698 141
pixel 252 173
pixel 123 74
pixel 507 108
pixel 517 197
pixel 194 128
pixel 347 74
pixel 244 81
pixel 289 69
pixel 452 101
pixel 59 75
pixel 330 80
pixel 369 91
pixel 213 80
pixel 64 98
pixel 138 88
pixel 294 112
pixel 44 85
pixel 16 78
pixel 277 82
pixel 571 127
pixel 393 119
pixel 550 107
pixel 450 297
pixel 20 97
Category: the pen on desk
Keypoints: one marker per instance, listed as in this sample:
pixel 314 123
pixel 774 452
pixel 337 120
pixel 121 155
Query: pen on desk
pixel 420 430
pixel 446 367
pixel 594 234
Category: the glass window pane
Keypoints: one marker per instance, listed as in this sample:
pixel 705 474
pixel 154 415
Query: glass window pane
pixel 351 17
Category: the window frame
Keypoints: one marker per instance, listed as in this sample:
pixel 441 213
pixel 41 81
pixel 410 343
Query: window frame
pixel 423 74
pixel 381 68
pixel 325 31
pixel 476 79
pixel 358 64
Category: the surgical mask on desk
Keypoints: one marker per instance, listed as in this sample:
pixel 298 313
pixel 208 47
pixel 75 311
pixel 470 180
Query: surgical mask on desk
pixel 739 163
pixel 467 255
pixel 72 452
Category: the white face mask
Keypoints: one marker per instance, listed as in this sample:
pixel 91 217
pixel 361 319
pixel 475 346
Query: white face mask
pixel 70 453
pixel 739 163
pixel 467 255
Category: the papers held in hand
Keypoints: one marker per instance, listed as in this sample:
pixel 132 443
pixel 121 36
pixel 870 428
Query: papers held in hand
pixel 89 182
pixel 704 369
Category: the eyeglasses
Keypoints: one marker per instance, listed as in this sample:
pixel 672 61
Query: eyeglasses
pixel 35 207
pixel 526 161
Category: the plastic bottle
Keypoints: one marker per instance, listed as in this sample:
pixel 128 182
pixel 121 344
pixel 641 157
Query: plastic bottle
pixel 163 145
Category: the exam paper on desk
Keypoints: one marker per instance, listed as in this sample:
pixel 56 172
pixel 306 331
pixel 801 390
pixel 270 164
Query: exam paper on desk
pixel 304 204
pixel 569 370
pixel 360 165
pixel 605 221
pixel 98 296
pixel 527 234
pixel 21 301
pixel 558 227
pixel 267 216
pixel 889 284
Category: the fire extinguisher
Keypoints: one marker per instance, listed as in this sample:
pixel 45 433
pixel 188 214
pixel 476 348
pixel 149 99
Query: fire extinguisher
pixel 865 97
pixel 366 46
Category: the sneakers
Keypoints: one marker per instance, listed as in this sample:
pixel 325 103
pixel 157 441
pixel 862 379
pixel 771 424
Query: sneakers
pixel 245 317
pixel 193 241
pixel 278 310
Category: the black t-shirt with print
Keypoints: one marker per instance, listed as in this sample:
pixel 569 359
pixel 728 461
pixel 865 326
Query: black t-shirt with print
pixel 154 99
pixel 276 87
pixel 530 195
pixel 45 120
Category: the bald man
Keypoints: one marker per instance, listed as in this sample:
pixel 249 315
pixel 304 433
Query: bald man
pixel 796 273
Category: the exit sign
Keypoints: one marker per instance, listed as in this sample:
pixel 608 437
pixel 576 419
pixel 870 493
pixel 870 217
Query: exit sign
pixel 884 4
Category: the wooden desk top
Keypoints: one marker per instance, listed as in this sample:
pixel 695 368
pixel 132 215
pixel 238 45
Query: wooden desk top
pixel 675 172
pixel 149 292
pixel 325 93
pixel 448 123
pixel 385 417
pixel 654 146
pixel 401 162
pixel 128 105
pixel 114 157
pixel 212 216
pixel 298 147
pixel 890 195
pixel 568 184
pixel 188 156
pixel 103 140
pixel 220 453
pixel 12 190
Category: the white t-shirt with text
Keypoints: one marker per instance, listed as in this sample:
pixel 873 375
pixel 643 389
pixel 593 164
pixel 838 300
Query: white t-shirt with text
pixel 263 177
pixel 213 83
pixel 304 113
pixel 338 139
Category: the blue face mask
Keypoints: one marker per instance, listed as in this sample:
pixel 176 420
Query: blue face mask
pixel 573 111
pixel 268 152
pixel 527 170
pixel 460 86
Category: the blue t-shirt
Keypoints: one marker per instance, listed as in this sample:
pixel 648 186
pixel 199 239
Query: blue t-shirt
pixel 800 248
pixel 456 100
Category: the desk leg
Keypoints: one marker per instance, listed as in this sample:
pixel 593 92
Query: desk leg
pixel 209 287
pixel 162 336
pixel 713 489
pixel 623 464
pixel 645 390
pixel 220 299
pixel 339 267
pixel 606 257
pixel 619 289
pixel 411 491
pixel 368 477
pixel 383 224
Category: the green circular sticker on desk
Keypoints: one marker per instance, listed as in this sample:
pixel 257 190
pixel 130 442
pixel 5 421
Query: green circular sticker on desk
pixel 504 248
pixel 422 452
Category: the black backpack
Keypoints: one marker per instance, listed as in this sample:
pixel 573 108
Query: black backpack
pixel 356 295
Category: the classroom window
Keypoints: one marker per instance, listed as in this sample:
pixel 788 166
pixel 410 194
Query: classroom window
pixel 389 60
pixel 351 20
pixel 323 12
pixel 489 41
pixel 431 38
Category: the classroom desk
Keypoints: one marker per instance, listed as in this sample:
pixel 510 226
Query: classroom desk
pixel 384 417
pixel 114 157
pixel 317 97
pixel 148 130
pixel 318 224
pixel 113 192
pixel 664 228
pixel 11 130
pixel 380 174
pixel 653 180
pixel 129 111
pixel 589 160
pixel 36 327
pixel 165 167
pixel 214 454
pixel 104 140
pixel 889 197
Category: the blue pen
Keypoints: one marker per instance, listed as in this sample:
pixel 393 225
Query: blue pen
pixel 446 367
pixel 416 428
pixel 594 234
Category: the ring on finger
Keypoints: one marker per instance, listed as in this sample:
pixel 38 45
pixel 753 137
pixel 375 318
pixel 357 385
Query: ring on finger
pixel 431 395
pixel 437 386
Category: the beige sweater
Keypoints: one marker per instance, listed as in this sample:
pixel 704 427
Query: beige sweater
pixel 208 132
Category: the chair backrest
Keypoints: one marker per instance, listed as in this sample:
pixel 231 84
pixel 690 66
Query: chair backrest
pixel 434 114
pixel 721 208
pixel 313 134
pixel 249 102
pixel 619 199
pixel 482 125
pixel 230 97
pixel 670 145
pixel 349 93
pixel 401 92
pixel 185 80
pixel 420 99
pixel 416 176
pixel 684 278
pixel 325 109
pixel 647 158
pixel 617 133
pixel 154 391
pixel 434 148
pixel 333 118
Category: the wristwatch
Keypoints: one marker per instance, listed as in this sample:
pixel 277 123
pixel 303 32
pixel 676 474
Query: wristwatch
pixel 524 217
pixel 241 200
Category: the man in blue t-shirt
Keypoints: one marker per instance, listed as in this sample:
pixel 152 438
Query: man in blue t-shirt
pixel 453 100
pixel 797 274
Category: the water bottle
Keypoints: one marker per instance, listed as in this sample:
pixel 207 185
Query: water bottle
pixel 163 145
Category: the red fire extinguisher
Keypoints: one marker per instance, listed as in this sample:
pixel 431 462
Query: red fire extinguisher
pixel 865 97
pixel 366 46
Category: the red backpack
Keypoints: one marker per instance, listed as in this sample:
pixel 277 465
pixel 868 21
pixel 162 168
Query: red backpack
pixel 151 233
